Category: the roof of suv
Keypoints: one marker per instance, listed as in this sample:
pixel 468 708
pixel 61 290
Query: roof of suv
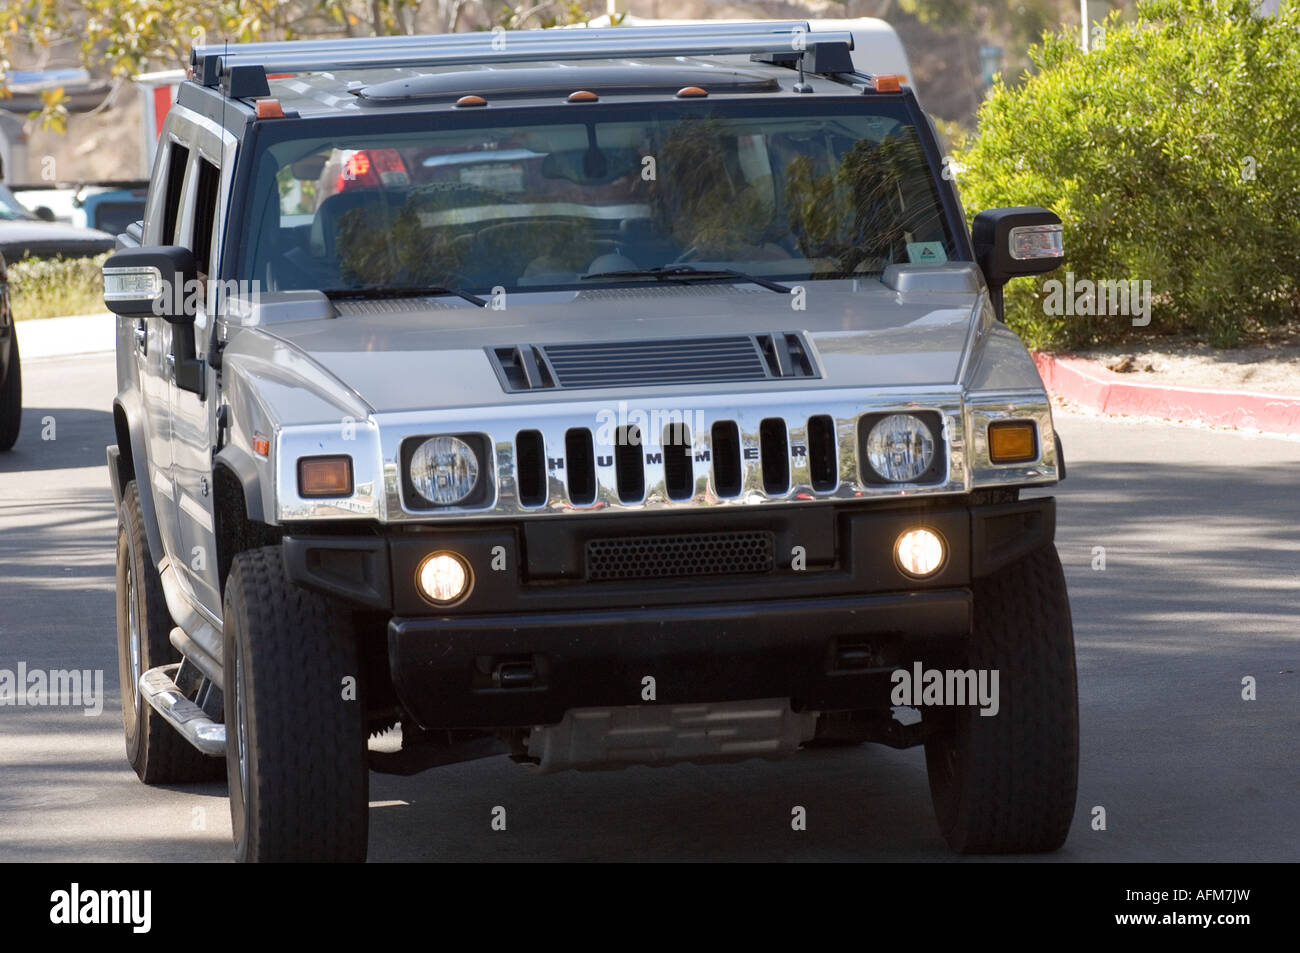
pixel 542 67
pixel 332 93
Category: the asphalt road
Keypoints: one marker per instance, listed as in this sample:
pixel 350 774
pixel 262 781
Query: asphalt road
pixel 1201 588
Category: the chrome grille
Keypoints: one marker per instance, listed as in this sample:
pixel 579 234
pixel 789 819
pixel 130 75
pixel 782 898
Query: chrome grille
pixel 679 466
pixel 557 458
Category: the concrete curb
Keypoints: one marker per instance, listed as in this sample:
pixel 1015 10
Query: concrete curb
pixel 1106 392
pixel 64 337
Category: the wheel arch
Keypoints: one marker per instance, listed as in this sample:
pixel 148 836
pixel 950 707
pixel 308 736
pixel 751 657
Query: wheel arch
pixel 240 518
pixel 130 449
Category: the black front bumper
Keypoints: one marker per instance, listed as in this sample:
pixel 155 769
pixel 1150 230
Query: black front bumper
pixel 510 670
pixel 536 637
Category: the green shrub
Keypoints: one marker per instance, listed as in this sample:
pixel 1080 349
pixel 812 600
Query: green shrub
pixel 49 288
pixel 1171 154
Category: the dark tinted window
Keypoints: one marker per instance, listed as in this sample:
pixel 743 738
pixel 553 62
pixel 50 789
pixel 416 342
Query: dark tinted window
pixel 205 213
pixel 177 158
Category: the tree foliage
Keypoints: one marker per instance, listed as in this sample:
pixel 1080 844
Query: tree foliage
pixel 1170 154
pixel 128 37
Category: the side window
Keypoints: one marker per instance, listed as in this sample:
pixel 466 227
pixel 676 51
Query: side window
pixel 178 158
pixel 205 214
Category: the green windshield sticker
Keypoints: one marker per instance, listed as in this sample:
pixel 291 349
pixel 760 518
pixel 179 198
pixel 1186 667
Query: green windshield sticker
pixel 923 253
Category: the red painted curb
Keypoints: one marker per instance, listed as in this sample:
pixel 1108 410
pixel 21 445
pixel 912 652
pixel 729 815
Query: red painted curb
pixel 1106 392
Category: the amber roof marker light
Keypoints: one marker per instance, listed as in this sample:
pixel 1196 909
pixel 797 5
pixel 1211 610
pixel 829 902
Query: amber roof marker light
pixel 582 96
pixel 470 101
pixel 888 82
pixel 692 92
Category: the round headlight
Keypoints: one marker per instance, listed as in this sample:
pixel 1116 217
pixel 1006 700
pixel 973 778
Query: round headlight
pixel 444 470
pixel 919 552
pixel 900 448
pixel 443 578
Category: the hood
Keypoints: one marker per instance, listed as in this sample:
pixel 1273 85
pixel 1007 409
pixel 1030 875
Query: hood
pixel 425 354
pixel 19 239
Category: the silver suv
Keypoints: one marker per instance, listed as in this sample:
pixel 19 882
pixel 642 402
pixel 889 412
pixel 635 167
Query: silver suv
pixel 591 397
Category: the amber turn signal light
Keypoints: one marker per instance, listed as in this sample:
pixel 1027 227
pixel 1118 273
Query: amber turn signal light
pixel 324 476
pixel 1013 441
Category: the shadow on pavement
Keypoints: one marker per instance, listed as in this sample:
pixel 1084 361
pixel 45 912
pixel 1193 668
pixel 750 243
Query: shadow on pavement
pixel 58 438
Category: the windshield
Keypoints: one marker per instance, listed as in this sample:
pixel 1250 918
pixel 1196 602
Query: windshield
pixel 10 208
pixel 829 189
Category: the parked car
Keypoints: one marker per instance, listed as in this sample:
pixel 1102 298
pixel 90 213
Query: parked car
pixel 110 207
pixel 11 382
pixel 642 400
pixel 23 234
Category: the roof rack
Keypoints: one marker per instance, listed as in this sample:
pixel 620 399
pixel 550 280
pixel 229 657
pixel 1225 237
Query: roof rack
pixel 233 68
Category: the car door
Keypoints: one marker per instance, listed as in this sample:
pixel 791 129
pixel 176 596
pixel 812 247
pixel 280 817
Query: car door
pixel 193 416
pixel 150 339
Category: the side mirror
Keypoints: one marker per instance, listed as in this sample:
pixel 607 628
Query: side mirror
pixel 158 280
pixel 1015 242
pixel 44 213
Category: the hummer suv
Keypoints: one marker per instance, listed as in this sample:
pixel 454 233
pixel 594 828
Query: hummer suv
pixel 590 397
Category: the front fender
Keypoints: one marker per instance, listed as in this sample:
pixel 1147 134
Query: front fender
pixel 258 498
pixel 127 415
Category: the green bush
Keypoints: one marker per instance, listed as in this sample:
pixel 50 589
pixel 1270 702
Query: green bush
pixel 49 288
pixel 1172 155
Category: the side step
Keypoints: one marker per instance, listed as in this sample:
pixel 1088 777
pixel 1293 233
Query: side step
pixel 158 689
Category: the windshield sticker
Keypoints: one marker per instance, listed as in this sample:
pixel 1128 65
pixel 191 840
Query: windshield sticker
pixel 925 253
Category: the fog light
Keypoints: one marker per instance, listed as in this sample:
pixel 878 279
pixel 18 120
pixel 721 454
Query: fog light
pixel 920 552
pixel 443 578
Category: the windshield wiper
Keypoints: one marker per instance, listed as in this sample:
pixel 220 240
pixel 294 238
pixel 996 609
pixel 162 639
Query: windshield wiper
pixel 413 291
pixel 686 272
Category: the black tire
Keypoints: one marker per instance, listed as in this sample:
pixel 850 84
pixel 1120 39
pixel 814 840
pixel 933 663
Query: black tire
pixel 156 751
pixel 1007 783
pixel 301 791
pixel 11 398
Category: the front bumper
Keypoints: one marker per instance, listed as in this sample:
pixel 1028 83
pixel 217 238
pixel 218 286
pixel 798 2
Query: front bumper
pixel 529 670
pixel 537 637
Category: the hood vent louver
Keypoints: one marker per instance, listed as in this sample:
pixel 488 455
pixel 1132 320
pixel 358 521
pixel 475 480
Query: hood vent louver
pixel 786 355
pixel 603 364
pixel 521 368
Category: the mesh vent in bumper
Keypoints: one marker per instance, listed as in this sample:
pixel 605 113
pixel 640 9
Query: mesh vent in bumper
pixel 664 557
